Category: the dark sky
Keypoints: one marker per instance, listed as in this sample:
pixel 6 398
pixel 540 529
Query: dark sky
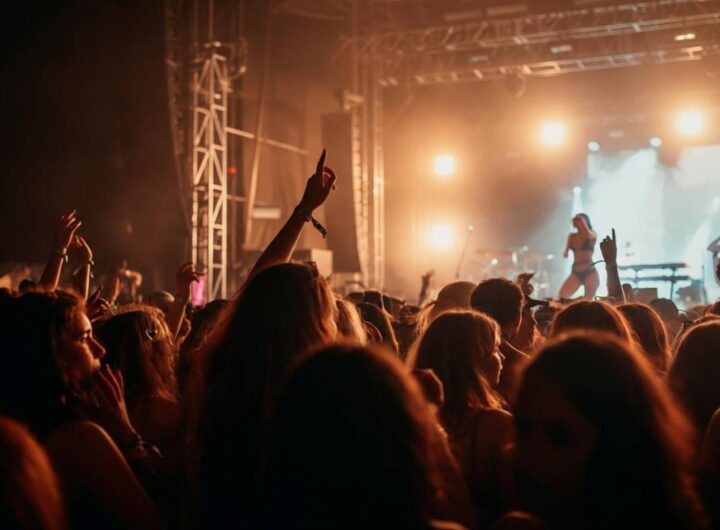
pixel 85 125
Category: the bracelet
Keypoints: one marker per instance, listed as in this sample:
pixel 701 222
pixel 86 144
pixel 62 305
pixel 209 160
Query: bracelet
pixel 61 252
pixel 138 448
pixel 308 216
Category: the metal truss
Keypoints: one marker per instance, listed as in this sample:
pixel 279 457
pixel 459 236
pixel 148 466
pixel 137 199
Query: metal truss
pixel 546 44
pixel 210 89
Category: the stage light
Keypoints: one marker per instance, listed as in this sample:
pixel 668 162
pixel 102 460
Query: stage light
pixel 684 36
pixel 577 190
pixel 593 146
pixel 441 236
pixel 444 165
pixel 553 133
pixel 655 141
pixel 690 122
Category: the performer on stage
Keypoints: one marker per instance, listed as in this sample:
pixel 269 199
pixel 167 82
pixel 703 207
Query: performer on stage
pixel 582 243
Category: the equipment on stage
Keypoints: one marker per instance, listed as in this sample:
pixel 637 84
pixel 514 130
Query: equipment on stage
pixel 671 278
pixel 714 247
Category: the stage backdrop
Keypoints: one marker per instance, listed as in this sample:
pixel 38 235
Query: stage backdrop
pixel 662 211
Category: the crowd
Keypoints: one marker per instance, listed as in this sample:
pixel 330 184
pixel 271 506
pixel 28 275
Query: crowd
pixel 293 407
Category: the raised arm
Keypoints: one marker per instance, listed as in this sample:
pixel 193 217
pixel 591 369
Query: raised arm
pixel 65 229
pixel 424 286
pixel 185 277
pixel 608 247
pixel 316 193
pixel 84 254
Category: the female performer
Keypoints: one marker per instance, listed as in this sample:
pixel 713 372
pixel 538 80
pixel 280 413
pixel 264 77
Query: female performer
pixel 582 243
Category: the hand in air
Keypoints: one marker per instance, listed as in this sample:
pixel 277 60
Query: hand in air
pixel 608 247
pixel 318 185
pixel 81 249
pixel 65 229
pixel 523 281
pixel 427 277
pixel 185 277
pixel 97 308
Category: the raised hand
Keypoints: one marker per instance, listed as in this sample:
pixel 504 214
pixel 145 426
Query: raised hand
pixel 65 229
pixel 523 281
pixel 608 248
pixel 427 277
pixel 96 307
pixel 318 186
pixel 81 249
pixel 185 277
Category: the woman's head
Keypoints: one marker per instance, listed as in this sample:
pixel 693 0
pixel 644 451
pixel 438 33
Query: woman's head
pixel 693 376
pixel 49 353
pixel 591 316
pixel 29 490
pixel 650 333
pixel 352 445
pixel 597 436
pixel 580 219
pixel 349 322
pixel 455 295
pixel 461 347
pixel 381 320
pixel 280 313
pixel 139 344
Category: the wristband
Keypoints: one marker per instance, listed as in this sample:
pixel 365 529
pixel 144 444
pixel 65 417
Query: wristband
pixel 61 252
pixel 307 215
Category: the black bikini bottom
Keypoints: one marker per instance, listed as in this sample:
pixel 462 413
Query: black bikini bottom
pixel 581 275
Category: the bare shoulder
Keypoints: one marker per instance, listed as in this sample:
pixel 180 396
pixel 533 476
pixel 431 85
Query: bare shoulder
pixel 496 419
pixel 79 436
pixel 493 428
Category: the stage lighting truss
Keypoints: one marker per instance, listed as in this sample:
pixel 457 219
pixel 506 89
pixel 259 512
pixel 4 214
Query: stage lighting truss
pixel 548 44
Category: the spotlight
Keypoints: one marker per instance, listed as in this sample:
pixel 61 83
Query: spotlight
pixel 655 141
pixel 684 36
pixel 444 165
pixel 593 146
pixel 441 236
pixel 553 133
pixel 689 122
pixel 577 190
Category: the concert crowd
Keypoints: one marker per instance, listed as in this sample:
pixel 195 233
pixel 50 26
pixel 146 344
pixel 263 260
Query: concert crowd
pixel 291 406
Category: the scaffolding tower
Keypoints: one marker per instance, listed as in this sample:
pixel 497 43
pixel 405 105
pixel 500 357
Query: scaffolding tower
pixel 210 89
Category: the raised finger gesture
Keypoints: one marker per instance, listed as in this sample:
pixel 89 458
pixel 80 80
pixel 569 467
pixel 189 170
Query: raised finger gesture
pixel 318 185
pixel 608 248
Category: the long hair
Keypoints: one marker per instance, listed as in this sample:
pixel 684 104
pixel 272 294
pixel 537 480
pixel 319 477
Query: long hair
pixel 693 376
pixel 454 347
pixel 353 445
pixel 29 488
pixel 586 218
pixel 349 322
pixel 382 321
pixel 281 313
pixel 33 387
pixel 591 315
pixel 650 333
pixel 640 470
pixel 138 343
